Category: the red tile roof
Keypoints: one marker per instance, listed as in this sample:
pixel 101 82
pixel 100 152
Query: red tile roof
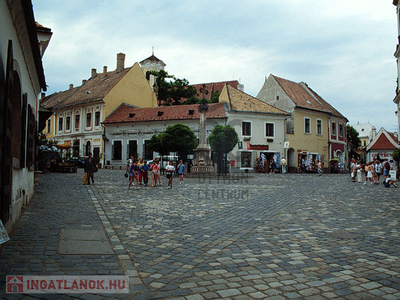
pixel 212 87
pixel 384 143
pixel 304 97
pixel 126 113
pixel 94 89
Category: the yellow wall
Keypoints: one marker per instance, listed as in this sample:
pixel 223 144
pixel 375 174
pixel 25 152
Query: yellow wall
pixel 132 89
pixel 52 133
pixel 309 142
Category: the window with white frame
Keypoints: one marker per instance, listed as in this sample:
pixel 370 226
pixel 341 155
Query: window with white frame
pixel 307 125
pixel 89 119
pixel 246 128
pixel 97 118
pixel 60 124
pixel 48 126
pixel 269 130
pixel 341 129
pixel 333 128
pixel 319 126
pixel 68 123
pixel 77 121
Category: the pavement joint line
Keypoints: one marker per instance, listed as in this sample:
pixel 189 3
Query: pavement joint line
pixel 126 264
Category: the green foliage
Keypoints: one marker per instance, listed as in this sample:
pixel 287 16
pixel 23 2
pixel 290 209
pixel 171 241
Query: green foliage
pixel 179 138
pixel 171 92
pixel 223 139
pixel 352 136
pixel 155 144
pixel 215 97
pixel 396 155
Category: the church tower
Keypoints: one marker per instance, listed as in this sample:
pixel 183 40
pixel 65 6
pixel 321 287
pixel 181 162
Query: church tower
pixel 152 63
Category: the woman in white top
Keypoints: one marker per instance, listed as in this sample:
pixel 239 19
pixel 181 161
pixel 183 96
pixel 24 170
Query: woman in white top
pixel 170 169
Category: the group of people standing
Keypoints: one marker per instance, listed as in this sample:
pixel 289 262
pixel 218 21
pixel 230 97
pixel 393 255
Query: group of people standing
pixel 371 172
pixel 138 170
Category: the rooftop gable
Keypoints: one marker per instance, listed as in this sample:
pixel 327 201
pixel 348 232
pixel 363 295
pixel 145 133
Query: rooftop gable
pixel 240 101
pixel 383 141
pixel 304 97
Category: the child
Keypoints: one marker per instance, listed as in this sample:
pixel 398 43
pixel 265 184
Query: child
pixel 170 169
pixel 154 173
pixel 181 171
pixel 145 170
pixel 134 174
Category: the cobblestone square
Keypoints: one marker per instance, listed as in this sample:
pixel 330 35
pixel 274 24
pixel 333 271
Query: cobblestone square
pixel 261 236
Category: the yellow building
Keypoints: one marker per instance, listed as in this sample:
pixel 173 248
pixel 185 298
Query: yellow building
pixel 76 124
pixel 315 130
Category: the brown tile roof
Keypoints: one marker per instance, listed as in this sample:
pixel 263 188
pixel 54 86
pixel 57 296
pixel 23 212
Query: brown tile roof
pixel 304 97
pixel 151 58
pixel 382 142
pixel 126 113
pixel 212 87
pixel 240 101
pixel 94 89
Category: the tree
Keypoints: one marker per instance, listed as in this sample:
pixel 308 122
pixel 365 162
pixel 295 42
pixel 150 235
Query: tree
pixel 222 140
pixel 155 144
pixel 353 140
pixel 171 92
pixel 179 138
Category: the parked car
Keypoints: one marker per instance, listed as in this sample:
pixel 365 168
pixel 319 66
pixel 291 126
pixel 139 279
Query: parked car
pixel 78 161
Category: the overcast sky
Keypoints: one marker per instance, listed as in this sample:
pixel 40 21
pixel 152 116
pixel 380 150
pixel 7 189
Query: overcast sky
pixel 343 49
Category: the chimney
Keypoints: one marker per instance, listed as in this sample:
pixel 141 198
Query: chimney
pixel 71 86
pixel 83 81
pixel 120 62
pixel 104 71
pixel 94 73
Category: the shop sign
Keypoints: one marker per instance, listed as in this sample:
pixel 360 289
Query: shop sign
pixel 257 147
pixel 232 162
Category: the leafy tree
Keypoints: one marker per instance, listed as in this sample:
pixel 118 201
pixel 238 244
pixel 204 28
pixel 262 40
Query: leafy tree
pixel 179 138
pixel 215 97
pixel 171 92
pixel 353 141
pixel 352 136
pixel 222 140
pixel 396 155
pixel 155 144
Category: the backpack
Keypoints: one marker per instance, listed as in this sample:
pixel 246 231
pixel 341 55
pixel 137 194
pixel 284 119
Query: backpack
pixel 387 166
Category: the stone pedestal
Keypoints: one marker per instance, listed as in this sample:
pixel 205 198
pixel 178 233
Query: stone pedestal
pixel 202 162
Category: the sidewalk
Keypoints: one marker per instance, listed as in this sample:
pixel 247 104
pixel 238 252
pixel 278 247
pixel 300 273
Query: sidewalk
pixel 40 245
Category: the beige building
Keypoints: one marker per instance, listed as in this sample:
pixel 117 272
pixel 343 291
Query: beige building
pixel 21 81
pixel 315 130
pixel 79 111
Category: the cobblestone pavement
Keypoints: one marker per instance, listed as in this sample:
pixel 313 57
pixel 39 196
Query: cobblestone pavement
pixel 291 236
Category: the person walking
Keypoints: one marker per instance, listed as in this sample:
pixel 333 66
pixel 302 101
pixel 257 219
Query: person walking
pixel 170 169
pixel 283 164
pixel 378 170
pixel 386 169
pixel 154 168
pixel 90 168
pixel 140 165
pixel 319 166
pixel 368 173
pixel 353 170
pixel 159 173
pixel 128 165
pixel 181 171
pixel 145 169
pixel 134 174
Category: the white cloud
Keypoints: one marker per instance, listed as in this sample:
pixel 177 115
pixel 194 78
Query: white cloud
pixel 342 49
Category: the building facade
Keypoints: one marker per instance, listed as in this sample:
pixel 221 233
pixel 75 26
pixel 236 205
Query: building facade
pixel 315 130
pixel 260 128
pixel 76 124
pixel 382 146
pixel 396 99
pixel 21 81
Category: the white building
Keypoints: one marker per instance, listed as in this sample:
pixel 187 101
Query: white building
pixel 260 127
pixel 21 81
